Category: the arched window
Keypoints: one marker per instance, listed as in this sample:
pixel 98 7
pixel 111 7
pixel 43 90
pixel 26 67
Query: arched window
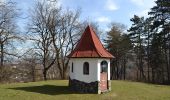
pixel 86 68
pixel 104 66
pixel 72 67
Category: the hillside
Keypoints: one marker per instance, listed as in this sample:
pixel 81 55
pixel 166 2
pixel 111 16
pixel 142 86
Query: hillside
pixel 58 90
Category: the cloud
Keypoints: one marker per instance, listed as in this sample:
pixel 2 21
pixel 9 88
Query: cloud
pixel 103 19
pixel 2 1
pixel 143 7
pixel 110 5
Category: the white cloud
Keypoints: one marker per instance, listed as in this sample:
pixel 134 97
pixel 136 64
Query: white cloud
pixel 103 19
pixel 2 0
pixel 144 7
pixel 110 5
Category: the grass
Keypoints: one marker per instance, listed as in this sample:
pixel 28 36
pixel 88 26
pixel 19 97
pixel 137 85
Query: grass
pixel 58 90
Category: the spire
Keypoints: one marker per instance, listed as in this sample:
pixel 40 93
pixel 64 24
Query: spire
pixel 89 46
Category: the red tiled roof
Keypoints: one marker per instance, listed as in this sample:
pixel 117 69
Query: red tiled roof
pixel 89 46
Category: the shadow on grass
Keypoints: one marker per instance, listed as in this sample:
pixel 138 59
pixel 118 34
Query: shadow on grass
pixel 47 89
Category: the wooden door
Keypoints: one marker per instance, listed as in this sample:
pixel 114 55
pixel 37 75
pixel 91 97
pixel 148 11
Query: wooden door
pixel 103 81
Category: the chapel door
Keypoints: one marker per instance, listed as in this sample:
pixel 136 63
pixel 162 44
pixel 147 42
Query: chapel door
pixel 103 76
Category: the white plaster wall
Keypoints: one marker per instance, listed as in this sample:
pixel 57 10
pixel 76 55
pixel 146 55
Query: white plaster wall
pixel 78 69
pixel 94 69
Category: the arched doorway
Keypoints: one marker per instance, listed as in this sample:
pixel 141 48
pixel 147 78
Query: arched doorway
pixel 103 75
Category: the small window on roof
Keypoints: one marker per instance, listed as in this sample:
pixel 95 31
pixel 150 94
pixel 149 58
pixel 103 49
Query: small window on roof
pixel 86 68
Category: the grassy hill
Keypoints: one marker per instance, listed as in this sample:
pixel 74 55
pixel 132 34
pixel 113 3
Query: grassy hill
pixel 58 90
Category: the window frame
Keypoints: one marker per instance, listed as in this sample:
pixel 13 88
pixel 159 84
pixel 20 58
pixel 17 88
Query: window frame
pixel 86 68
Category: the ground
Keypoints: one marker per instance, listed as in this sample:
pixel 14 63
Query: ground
pixel 58 90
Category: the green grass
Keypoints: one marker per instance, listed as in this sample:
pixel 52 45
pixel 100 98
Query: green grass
pixel 58 90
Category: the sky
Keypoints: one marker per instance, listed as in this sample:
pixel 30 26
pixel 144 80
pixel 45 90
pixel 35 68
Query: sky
pixel 101 11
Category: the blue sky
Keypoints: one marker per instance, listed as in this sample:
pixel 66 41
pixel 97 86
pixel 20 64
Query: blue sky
pixel 101 11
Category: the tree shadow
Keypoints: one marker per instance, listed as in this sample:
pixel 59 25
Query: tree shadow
pixel 46 89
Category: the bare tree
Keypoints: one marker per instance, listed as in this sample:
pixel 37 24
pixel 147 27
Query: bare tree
pixel 8 29
pixel 39 29
pixel 64 37
pixel 57 33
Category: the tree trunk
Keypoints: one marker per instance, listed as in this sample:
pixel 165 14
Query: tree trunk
pixel 117 72
pixel 167 65
pixel 153 76
pixel 148 72
pixel 163 76
pixel 166 61
pixel 137 74
pixel 124 69
pixel 169 56
pixel 148 62
pixel 165 51
pixel 113 71
pixel 33 73
pixel 45 74
pixel 59 67
pixel 2 55
pixel 64 75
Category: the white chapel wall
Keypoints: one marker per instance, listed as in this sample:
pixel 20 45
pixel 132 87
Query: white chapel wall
pixel 94 69
pixel 78 69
